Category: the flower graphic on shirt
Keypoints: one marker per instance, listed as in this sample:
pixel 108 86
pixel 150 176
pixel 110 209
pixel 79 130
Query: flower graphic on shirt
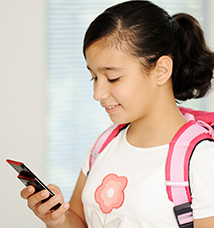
pixel 110 194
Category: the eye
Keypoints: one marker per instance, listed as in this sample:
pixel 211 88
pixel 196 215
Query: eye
pixel 93 79
pixel 114 80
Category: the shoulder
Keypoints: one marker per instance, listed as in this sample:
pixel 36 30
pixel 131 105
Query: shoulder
pixel 201 180
pixel 203 156
pixel 102 140
pixel 203 150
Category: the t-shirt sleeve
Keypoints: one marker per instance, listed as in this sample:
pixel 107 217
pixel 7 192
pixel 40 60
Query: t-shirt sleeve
pixel 85 163
pixel 202 180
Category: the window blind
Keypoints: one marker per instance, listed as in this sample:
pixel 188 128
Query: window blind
pixel 73 118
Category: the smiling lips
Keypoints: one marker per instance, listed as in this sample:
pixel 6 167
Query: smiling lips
pixel 111 109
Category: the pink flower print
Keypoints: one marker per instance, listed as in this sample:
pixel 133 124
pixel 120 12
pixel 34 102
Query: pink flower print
pixel 110 194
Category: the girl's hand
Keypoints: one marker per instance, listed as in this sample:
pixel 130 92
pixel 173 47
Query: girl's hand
pixel 53 219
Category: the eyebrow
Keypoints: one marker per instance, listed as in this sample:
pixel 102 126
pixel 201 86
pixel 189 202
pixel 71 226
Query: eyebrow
pixel 107 69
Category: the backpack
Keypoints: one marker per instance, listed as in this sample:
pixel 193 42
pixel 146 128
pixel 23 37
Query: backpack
pixel 198 128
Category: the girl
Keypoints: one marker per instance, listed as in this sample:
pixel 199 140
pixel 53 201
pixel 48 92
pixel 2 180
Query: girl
pixel 141 60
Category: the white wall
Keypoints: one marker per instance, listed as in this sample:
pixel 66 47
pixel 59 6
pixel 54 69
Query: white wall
pixel 21 103
pixel 208 103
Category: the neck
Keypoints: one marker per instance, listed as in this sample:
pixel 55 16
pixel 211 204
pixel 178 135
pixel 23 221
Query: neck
pixel 157 128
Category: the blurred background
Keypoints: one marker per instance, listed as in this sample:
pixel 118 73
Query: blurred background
pixel 48 117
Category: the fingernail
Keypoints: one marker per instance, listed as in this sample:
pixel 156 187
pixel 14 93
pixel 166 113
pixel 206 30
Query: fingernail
pixel 30 189
pixel 55 199
pixel 66 205
pixel 43 194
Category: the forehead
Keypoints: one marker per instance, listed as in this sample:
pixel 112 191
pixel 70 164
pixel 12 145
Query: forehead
pixel 107 55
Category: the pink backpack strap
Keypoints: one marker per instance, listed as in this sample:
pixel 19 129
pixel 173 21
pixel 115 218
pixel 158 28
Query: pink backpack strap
pixel 103 141
pixel 207 117
pixel 177 168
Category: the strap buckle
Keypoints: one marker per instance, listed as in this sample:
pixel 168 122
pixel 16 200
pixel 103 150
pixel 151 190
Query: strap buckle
pixel 183 214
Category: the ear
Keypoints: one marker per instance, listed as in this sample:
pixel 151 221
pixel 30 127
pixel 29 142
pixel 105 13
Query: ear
pixel 163 69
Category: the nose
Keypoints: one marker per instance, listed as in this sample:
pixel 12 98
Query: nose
pixel 101 90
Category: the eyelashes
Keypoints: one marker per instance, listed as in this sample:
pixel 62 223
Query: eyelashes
pixel 110 80
pixel 114 80
pixel 93 79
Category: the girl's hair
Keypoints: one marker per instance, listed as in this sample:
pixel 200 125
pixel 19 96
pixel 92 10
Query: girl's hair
pixel 147 32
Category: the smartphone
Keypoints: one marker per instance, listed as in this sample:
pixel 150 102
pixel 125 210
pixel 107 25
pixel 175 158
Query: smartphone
pixel 27 177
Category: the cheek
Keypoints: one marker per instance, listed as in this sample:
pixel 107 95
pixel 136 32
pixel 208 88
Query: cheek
pixel 140 94
pixel 133 92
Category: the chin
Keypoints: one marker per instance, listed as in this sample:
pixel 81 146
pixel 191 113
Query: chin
pixel 119 121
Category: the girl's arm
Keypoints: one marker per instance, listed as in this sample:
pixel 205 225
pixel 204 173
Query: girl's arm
pixel 204 223
pixel 73 218
pixel 76 206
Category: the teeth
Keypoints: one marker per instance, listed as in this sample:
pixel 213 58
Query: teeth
pixel 111 107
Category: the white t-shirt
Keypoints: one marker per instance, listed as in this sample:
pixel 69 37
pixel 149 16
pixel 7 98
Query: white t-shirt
pixel 126 186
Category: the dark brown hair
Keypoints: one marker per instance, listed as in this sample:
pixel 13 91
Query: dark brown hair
pixel 148 32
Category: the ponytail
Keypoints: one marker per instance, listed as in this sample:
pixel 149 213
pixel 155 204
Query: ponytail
pixel 194 71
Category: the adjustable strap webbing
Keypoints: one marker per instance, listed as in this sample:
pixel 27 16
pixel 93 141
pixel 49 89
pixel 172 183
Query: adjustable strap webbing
pixel 177 168
pixel 104 140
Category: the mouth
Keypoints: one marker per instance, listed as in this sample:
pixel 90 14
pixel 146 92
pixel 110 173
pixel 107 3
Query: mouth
pixel 112 108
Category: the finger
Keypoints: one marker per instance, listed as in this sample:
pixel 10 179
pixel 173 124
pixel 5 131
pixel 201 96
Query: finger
pixel 45 207
pixel 56 217
pixel 55 189
pixel 36 199
pixel 62 210
pixel 26 192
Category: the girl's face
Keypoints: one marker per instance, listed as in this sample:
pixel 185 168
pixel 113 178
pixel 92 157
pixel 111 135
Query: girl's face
pixel 126 93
